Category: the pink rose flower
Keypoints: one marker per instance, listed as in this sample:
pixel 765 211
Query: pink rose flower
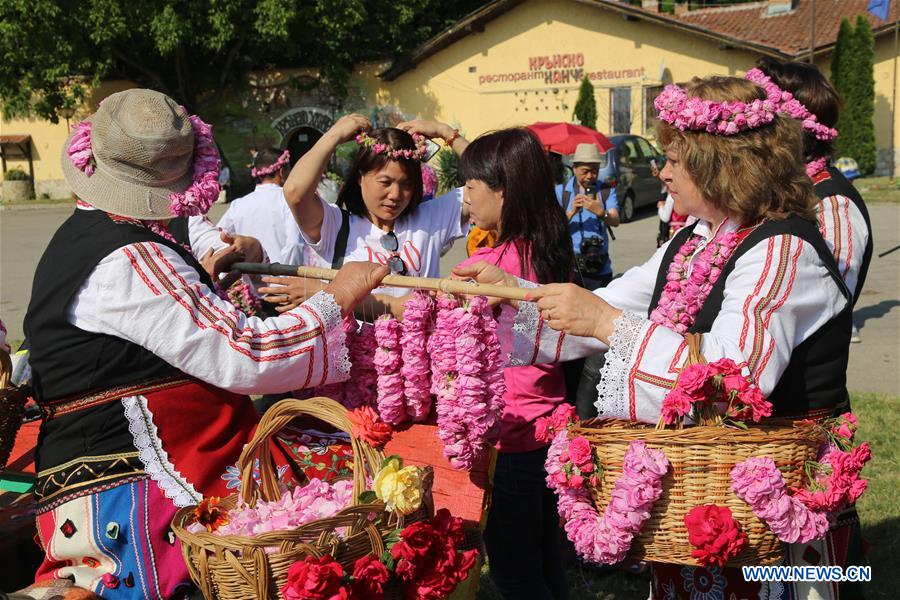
pixel 580 451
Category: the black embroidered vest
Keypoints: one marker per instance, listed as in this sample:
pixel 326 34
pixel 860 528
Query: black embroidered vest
pixel 66 360
pixel 816 375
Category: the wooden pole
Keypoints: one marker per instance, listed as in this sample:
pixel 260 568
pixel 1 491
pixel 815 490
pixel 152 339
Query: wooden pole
pixel 812 34
pixel 450 286
pixel 894 171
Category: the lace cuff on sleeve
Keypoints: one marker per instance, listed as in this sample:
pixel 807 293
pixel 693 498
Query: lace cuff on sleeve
pixel 613 400
pixel 324 305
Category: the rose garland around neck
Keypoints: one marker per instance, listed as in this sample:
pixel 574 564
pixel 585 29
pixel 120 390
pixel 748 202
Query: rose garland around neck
pixel 814 167
pixel 204 188
pixel 274 167
pixel 689 281
pixel 606 539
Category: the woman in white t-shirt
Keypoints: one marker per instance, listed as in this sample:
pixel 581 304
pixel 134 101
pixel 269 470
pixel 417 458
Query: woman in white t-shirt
pixel 381 201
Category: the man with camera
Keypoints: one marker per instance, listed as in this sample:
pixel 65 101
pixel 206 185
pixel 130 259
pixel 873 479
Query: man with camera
pixel 590 208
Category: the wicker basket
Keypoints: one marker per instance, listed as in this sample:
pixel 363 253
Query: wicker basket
pixel 12 407
pixel 238 567
pixel 701 459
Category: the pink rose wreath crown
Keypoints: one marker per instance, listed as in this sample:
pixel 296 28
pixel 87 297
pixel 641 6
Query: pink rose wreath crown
pixel 786 103
pixel 718 118
pixel 419 153
pixel 274 167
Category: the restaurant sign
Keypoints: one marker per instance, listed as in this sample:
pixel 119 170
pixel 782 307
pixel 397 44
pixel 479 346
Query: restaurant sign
pixel 557 69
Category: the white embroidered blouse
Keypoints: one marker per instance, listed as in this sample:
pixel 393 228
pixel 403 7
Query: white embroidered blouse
pixel 846 234
pixel 146 293
pixel 778 294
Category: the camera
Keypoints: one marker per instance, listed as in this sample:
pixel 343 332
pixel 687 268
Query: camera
pixel 592 255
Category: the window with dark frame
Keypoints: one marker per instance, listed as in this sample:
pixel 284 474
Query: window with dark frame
pixel 650 94
pixel 620 110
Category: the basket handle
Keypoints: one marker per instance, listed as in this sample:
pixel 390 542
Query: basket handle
pixel 365 457
pixel 695 357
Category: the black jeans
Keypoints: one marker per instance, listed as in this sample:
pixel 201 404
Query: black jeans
pixel 523 538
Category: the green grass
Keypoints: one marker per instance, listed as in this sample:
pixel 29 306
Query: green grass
pixel 879 508
pixel 879 511
pixel 878 189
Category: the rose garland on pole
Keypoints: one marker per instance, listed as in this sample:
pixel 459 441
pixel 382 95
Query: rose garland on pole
pixel 391 401
pixel 418 316
pixel 470 390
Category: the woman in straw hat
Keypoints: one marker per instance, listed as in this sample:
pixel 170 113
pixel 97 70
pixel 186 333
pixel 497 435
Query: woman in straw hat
pixel 140 368
pixel 753 275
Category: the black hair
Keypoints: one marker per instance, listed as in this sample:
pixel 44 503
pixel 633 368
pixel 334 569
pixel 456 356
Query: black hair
pixel 513 160
pixel 814 91
pixel 350 196
pixel 266 157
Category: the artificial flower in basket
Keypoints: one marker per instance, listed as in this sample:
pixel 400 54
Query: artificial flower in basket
pixel 422 560
pixel 712 396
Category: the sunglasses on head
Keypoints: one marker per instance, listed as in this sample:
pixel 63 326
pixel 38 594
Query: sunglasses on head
pixel 390 243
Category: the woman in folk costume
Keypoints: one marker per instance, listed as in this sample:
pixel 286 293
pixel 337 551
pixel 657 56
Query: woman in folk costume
pixel 139 366
pixel 805 95
pixel 760 285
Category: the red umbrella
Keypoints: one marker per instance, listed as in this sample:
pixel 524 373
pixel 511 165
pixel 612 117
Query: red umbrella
pixel 564 137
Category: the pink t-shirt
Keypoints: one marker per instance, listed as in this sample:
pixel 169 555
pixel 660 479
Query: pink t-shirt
pixel 531 392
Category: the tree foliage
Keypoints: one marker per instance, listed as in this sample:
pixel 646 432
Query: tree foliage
pixel 51 51
pixel 864 97
pixel 586 106
pixel 852 76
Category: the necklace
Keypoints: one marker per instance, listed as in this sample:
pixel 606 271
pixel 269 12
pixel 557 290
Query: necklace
pixel 689 281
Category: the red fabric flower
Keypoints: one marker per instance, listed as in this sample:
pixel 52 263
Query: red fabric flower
pixel 714 533
pixel 315 579
pixel 369 577
pixel 368 426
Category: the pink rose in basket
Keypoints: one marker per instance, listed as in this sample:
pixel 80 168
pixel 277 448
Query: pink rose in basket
pixel 692 381
pixel 580 452
pixel 676 404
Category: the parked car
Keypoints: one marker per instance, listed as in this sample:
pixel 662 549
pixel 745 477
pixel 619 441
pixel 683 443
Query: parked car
pixel 636 186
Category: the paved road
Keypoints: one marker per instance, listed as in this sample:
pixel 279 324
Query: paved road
pixel 874 364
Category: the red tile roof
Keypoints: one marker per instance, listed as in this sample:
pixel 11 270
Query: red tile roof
pixel 788 33
pixel 784 35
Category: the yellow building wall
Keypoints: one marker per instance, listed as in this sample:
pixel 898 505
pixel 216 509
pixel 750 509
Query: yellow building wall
pixel 496 78
pixel 887 77
pixel 47 140
pixel 499 77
